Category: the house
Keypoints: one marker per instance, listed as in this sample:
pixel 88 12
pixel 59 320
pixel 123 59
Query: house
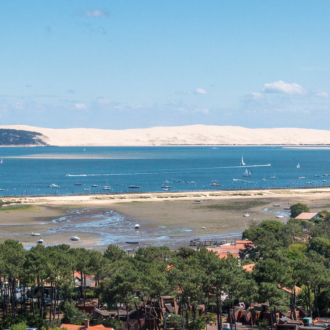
pixel 224 250
pixel 308 216
pixel 84 327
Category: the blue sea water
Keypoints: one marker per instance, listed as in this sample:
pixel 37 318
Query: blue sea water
pixel 150 168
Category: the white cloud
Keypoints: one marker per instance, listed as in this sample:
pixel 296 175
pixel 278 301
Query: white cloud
pixel 321 94
pixel 284 88
pixel 93 13
pixel 201 91
pixel 80 106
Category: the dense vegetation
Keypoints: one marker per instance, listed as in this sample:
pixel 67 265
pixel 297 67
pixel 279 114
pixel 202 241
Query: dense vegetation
pixel 285 255
pixel 13 137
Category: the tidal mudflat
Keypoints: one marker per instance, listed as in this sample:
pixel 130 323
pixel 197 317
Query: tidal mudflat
pixel 171 219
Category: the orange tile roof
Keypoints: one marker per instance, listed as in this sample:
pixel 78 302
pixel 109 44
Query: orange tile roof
pixel 82 327
pixel 306 216
pixel 248 268
pixel 298 290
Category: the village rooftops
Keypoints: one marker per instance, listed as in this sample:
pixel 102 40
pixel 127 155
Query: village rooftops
pixel 307 216
pixel 84 327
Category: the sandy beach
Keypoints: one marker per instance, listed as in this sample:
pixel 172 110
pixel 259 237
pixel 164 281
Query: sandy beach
pixel 171 219
pixel 197 135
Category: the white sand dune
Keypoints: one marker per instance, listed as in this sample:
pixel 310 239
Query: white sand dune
pixel 180 135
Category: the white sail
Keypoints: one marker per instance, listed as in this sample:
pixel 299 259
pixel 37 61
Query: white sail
pixel 242 163
pixel 298 166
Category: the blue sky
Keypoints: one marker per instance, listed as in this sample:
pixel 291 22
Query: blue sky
pixel 134 63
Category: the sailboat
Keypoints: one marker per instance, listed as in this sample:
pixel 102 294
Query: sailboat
pixel 247 173
pixel 242 162
pixel 1 161
pixel 298 166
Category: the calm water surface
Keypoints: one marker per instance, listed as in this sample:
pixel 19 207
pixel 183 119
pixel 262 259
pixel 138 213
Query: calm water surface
pixel 150 168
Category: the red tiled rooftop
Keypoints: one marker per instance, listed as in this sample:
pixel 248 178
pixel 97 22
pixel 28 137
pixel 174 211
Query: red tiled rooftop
pixel 82 327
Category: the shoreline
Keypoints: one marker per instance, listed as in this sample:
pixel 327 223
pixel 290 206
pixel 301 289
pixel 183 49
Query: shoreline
pixel 162 195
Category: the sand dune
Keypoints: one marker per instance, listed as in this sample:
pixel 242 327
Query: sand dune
pixel 180 135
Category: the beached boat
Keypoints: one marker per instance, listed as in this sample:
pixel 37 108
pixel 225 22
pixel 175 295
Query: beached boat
pixel 279 216
pixel 197 200
pixel 246 215
pixel 203 227
pixel 53 186
pixel 242 162
pixel 75 238
pixel 137 226
pixel 132 242
pixel 247 173
pixel 286 208
pixel 35 234
pixel 40 241
pixel 276 205
pixel 298 166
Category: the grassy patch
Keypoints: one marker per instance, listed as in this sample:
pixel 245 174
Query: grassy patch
pixel 236 205
pixel 15 208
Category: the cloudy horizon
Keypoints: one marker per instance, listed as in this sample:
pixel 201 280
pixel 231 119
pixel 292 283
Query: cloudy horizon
pixel 97 64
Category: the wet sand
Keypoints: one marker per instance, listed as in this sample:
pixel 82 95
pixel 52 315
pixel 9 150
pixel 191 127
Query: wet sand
pixel 171 219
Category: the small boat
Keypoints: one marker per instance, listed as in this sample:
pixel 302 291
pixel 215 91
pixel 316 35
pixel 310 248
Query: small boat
pixel 264 179
pixel 132 242
pixel 137 226
pixel 301 177
pixel 35 234
pixel 215 184
pixel 133 186
pixel 177 180
pixel 246 215
pixel 1 189
pixel 291 182
pixel 287 208
pixel 77 184
pixel 106 188
pixel 1 161
pixel 94 186
pixel 53 186
pixel 324 180
pixel 247 173
pixel 75 238
pixel 316 176
pixel 40 241
pixel 242 162
pixel 276 205
pixel 279 216
pixel 86 189
pixel 273 177
pixel 236 179
pixel 197 200
pixel 191 182
pixel 214 148
pixel 166 187
pixel 203 227
pixel 325 174
pixel 298 166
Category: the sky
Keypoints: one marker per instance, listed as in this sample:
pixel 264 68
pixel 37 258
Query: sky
pixel 119 64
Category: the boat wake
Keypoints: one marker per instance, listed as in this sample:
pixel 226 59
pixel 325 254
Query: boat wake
pixel 153 173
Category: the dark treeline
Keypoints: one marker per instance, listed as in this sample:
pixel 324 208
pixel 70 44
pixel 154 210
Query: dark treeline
pixel 19 137
pixel 285 255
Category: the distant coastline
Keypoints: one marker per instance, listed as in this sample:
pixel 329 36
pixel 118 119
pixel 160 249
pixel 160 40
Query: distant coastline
pixel 194 135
